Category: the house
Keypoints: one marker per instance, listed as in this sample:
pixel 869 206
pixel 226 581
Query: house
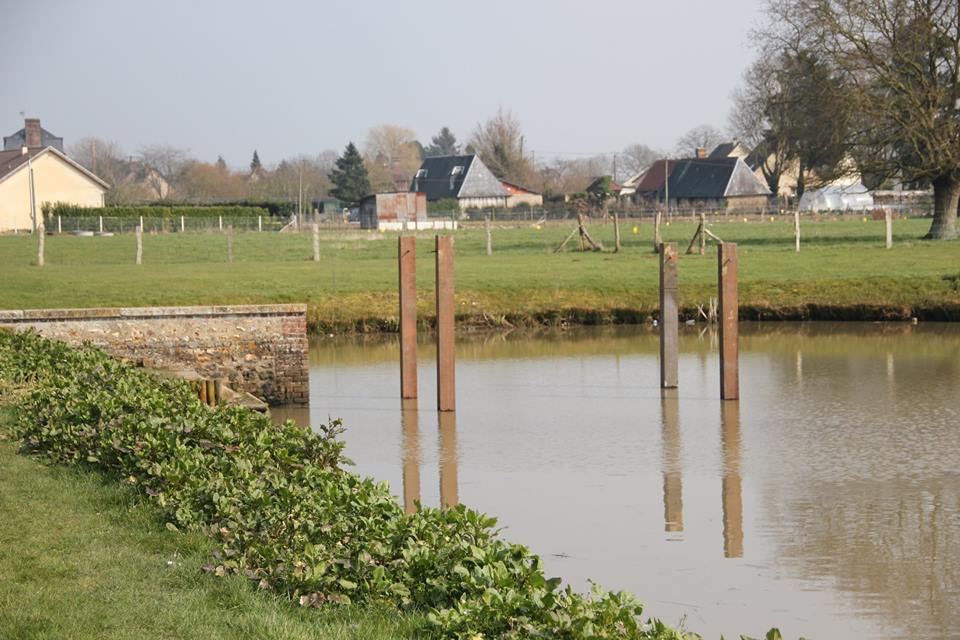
pixel 647 186
pixel 726 184
pixel 464 178
pixel 393 211
pixel 733 149
pixel 521 195
pixel 32 135
pixel 55 178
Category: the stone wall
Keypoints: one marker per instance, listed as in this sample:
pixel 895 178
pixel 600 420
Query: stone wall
pixel 260 349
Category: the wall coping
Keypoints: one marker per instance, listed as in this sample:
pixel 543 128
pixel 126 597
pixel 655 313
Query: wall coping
pixel 139 313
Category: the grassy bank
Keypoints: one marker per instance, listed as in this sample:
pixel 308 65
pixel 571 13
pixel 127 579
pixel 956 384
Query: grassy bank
pixel 83 557
pixel 842 272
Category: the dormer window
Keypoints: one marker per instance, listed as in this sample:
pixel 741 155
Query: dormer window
pixel 421 173
pixel 457 170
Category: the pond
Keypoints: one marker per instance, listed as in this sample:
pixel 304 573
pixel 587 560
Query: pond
pixel 826 501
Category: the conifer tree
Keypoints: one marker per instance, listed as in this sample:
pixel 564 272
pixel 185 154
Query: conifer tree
pixel 255 163
pixel 221 163
pixel 349 177
pixel 443 144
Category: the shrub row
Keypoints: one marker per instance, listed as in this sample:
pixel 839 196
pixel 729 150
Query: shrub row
pixel 276 208
pixel 51 211
pixel 283 509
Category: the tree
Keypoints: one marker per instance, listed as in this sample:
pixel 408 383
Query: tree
pixel 349 177
pixel 392 156
pixel 163 167
pixel 108 161
pixel 255 165
pixel 600 193
pixel 700 137
pixel 899 61
pixel 442 144
pixel 635 158
pixel 221 163
pixel 499 143
pixel 203 182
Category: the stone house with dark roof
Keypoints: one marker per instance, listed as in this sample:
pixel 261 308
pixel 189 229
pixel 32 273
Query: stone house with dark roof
pixel 464 178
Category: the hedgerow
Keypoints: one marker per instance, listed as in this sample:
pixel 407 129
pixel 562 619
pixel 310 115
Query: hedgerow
pixel 65 210
pixel 283 509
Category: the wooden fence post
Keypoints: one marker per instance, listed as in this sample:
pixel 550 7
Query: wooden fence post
pixel 100 223
pixel 41 239
pixel 729 318
pixel 486 227
pixel 59 227
pixel 316 242
pixel 220 222
pixel 669 320
pixel 616 233
pixel 229 243
pixel 703 233
pixel 259 223
pixel 140 243
pixel 657 241
pixel 446 310
pixel 183 225
pixel 407 261
pixel 888 222
pixel 796 230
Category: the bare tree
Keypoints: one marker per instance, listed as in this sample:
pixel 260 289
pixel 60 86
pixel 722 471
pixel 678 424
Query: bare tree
pixel 163 167
pixel 900 64
pixel 107 160
pixel 499 143
pixel 635 158
pixel 700 137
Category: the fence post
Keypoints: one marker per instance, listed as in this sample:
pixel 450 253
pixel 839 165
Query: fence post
pixel 796 229
pixel 59 227
pixel 41 238
pixel 446 358
pixel 703 232
pixel 888 221
pixel 230 243
pixel 729 318
pixel 259 223
pixel 140 243
pixel 657 241
pixel 100 223
pixel 407 265
pixel 486 227
pixel 316 242
pixel 183 226
pixel 141 224
pixel 616 233
pixel 669 321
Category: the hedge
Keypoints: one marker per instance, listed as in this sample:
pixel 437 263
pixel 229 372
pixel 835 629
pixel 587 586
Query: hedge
pixel 51 211
pixel 283 509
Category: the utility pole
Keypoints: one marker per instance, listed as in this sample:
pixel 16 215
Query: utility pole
pixel 614 167
pixel 666 185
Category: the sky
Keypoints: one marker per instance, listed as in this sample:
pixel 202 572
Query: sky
pixel 289 78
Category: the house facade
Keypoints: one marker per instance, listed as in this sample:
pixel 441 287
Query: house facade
pixel 464 178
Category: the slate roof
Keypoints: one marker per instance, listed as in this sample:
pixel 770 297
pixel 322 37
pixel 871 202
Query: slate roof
pixel 438 180
pixel 728 150
pixel 18 139
pixel 11 160
pixel 651 180
pixel 714 178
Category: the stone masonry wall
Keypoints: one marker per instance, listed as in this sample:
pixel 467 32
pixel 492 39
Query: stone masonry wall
pixel 261 349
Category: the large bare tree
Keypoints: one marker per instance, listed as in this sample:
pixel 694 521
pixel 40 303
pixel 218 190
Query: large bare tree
pixel 900 62
pixel 702 136
pixel 499 143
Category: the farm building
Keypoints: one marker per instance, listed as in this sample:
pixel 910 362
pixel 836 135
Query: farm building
pixel 647 186
pixel 464 178
pixel 521 195
pixel 725 184
pixel 393 210
pixel 55 178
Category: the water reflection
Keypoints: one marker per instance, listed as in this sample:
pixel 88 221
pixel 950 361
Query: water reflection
pixel 672 471
pixel 448 459
pixel 732 489
pixel 410 421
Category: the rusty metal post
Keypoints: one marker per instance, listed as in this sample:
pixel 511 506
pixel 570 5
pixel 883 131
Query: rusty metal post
pixel 669 320
pixel 407 259
pixel 729 318
pixel 446 358
pixel 449 494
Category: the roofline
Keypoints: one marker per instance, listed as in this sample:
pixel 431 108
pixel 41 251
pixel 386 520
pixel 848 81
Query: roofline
pixel 67 159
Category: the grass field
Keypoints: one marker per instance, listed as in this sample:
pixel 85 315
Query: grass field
pixel 82 558
pixel 842 271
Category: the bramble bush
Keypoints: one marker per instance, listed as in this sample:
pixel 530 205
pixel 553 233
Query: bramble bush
pixel 283 509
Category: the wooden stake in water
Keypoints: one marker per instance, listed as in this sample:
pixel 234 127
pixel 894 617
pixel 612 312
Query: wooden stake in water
pixel 316 242
pixel 140 243
pixel 41 239
pixel 486 227
pixel 796 230
pixel 729 319
pixel 446 309
pixel 669 318
pixel 407 261
pixel 888 221
pixel 230 243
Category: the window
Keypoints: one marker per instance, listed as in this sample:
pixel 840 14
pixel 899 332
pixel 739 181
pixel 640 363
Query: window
pixel 457 170
pixel 421 173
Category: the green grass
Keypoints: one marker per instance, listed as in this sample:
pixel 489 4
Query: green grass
pixel 81 557
pixel 843 270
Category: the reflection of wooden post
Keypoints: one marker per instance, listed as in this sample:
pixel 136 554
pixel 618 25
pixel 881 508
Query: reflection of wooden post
pixel 888 221
pixel 316 242
pixel 446 359
pixel 732 487
pixel 411 455
pixel 41 238
pixel 407 258
pixel 669 322
pixel 140 243
pixel 616 233
pixel 486 227
pixel 729 313
pixel 448 460
pixel 796 230
pixel 672 471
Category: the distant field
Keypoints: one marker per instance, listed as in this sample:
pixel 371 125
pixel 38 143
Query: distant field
pixel 843 271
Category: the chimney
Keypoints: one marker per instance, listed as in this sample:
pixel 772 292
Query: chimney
pixel 701 152
pixel 31 128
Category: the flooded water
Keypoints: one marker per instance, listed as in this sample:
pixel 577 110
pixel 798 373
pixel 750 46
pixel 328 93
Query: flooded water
pixel 825 502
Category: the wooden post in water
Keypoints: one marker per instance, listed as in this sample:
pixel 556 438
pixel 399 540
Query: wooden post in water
pixel 407 260
pixel 41 238
pixel 616 233
pixel 446 309
pixel 316 242
pixel 729 318
pixel 888 221
pixel 140 243
pixel 449 494
pixel 669 320
pixel 486 227
pixel 796 230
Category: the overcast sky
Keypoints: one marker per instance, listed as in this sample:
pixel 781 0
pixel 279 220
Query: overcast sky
pixel 296 77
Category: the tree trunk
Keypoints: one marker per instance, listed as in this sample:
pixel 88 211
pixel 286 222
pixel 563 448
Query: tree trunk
pixel 946 194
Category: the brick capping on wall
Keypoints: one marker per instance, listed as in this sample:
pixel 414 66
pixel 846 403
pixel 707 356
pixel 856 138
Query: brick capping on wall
pixel 261 349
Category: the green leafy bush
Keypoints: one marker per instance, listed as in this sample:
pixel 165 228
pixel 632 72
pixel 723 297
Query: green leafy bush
pixel 284 511
pixel 51 211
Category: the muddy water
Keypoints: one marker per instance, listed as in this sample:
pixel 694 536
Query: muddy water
pixel 825 502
